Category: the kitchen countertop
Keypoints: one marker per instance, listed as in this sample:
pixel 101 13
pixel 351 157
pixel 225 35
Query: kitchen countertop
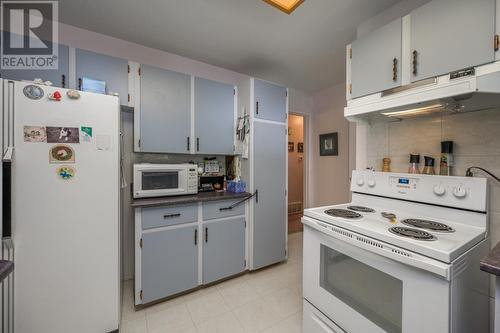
pixel 491 263
pixel 6 267
pixel 187 199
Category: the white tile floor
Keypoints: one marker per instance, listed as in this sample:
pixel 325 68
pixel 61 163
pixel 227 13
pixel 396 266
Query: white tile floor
pixel 268 301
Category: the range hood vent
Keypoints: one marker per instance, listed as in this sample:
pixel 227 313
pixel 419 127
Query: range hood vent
pixel 472 89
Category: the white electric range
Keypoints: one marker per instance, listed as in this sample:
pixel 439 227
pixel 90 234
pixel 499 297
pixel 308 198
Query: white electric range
pixel 416 269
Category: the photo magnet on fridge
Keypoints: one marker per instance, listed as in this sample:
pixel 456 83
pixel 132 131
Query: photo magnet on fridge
pixel 61 154
pixel 86 133
pixel 63 135
pixel 35 134
pixel 66 172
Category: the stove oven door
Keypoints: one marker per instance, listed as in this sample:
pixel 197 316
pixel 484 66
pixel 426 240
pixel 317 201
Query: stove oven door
pixel 361 291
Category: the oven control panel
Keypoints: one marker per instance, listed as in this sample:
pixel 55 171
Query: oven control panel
pixel 460 192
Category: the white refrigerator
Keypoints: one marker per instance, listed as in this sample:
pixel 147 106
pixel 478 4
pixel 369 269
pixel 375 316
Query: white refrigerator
pixel 64 203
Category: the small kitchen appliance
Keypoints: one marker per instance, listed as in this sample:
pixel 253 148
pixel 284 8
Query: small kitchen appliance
pixel 157 180
pixel 211 183
pixel 403 256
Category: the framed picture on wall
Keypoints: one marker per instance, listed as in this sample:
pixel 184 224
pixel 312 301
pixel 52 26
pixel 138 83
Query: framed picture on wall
pixel 329 144
pixel 300 147
pixel 290 147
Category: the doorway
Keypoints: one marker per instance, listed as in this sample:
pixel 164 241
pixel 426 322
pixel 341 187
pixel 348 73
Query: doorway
pixel 296 168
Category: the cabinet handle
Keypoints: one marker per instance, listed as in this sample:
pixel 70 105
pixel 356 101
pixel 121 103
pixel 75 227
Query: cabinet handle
pixel 188 144
pixel 206 234
pixel 80 83
pixel 63 81
pixel 257 107
pixel 415 62
pixel 395 69
pixel 197 144
pixel 169 216
pixel 195 236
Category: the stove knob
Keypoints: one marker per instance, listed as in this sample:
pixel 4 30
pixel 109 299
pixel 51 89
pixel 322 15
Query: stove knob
pixel 372 183
pixel 360 181
pixel 459 191
pixel 439 190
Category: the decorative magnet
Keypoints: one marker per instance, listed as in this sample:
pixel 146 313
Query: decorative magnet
pixel 66 172
pixel 55 96
pixel 63 135
pixel 73 94
pixel 86 133
pixel 35 134
pixel 61 154
pixel 33 92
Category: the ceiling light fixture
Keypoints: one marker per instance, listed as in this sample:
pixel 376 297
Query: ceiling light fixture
pixel 288 6
pixel 417 111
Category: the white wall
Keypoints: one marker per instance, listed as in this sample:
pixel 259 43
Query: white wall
pixel 330 174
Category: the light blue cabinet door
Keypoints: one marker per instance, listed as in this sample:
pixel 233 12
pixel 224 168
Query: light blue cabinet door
pixel 165 115
pixel 376 60
pixel 169 262
pixel 58 77
pixel 449 35
pixel 214 117
pixel 114 71
pixel 270 101
pixel 270 181
pixel 223 249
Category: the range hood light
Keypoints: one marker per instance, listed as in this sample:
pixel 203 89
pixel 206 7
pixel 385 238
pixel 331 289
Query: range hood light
pixel 417 111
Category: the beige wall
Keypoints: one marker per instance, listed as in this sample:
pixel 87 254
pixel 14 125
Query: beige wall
pixel 295 159
pixel 330 174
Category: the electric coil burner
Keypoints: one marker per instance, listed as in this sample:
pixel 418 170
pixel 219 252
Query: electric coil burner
pixel 361 209
pixel 343 213
pixel 412 233
pixel 429 225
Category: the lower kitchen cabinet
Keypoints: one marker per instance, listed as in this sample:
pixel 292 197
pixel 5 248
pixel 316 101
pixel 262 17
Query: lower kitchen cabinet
pixel 169 262
pixel 223 249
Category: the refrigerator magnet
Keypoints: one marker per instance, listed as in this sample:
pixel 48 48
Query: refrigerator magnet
pixel 73 94
pixel 66 172
pixel 86 133
pixel 35 134
pixel 61 154
pixel 55 96
pixel 63 135
pixel 33 92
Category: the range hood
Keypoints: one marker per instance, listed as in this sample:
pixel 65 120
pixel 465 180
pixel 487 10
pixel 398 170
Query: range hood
pixel 473 89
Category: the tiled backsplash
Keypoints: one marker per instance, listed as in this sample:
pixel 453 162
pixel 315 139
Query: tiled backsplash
pixel 476 137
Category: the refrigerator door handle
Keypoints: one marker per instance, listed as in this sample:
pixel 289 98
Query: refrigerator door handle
pixel 9 122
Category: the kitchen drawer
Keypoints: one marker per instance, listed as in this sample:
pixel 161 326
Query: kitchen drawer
pixel 215 209
pixel 168 216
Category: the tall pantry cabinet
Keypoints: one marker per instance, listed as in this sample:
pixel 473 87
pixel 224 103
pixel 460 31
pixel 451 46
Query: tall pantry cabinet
pixel 266 104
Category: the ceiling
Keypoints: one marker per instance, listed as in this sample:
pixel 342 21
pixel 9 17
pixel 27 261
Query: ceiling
pixel 304 50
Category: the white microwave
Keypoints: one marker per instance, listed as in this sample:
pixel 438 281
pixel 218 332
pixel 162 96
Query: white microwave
pixel 158 180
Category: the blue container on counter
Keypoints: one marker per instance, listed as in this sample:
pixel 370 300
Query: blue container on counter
pixel 236 186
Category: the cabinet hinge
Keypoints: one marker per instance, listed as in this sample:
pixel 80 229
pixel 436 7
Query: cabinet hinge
pixel 286 93
pixel 286 192
pixel 140 243
pixel 234 148
pixel 285 253
pixel 139 142
pixel 350 88
pixel 350 53
pixel 245 263
pixel 139 71
pixel 128 68
pixel 286 131
pixel 245 223
pixel 497 43
pixel 234 92
pixel 128 97
pixel 140 295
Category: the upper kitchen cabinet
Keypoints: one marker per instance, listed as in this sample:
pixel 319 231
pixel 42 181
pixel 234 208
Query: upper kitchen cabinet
pixel 376 60
pixel 164 119
pixel 449 35
pixel 270 101
pixel 58 77
pixel 113 71
pixel 214 105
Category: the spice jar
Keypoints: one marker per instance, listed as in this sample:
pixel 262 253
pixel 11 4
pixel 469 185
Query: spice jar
pixel 429 166
pixel 386 167
pixel 446 163
pixel 414 164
